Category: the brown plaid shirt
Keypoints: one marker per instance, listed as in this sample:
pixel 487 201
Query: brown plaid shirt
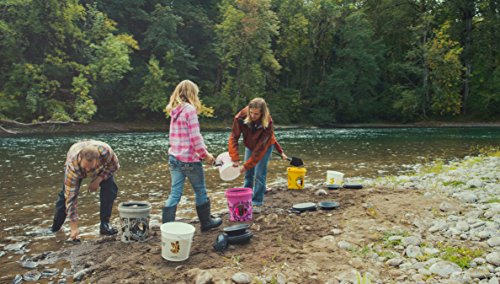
pixel 107 164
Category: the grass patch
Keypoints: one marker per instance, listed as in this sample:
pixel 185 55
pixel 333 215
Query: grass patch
pixel 453 183
pixel 392 243
pixel 459 255
pixel 434 168
pixel 493 200
pixel 387 254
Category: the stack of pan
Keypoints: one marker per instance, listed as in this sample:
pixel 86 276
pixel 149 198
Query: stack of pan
pixel 238 234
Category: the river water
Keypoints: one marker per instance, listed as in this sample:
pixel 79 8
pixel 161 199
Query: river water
pixel 31 167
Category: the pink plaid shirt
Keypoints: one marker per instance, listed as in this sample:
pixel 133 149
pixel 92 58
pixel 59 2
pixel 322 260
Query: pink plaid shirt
pixel 186 142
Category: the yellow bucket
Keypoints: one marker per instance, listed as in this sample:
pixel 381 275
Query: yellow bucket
pixel 296 177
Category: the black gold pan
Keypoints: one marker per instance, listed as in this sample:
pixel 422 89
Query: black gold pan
pixel 328 205
pixel 353 186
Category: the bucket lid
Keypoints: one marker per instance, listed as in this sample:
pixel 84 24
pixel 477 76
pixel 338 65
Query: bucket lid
pixel 353 186
pixel 328 205
pixel 236 230
pixel 304 206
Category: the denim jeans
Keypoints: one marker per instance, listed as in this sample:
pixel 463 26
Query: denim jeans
pixel 255 177
pixel 178 173
pixel 107 196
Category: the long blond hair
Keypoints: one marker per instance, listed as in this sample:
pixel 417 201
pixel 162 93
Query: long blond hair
pixel 260 104
pixel 185 92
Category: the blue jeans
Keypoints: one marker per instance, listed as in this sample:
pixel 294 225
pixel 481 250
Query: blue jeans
pixel 178 173
pixel 255 177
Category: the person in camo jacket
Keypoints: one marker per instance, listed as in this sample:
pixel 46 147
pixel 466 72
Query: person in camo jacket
pixel 94 159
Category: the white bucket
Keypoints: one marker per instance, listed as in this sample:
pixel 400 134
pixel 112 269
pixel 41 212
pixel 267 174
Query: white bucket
pixel 333 177
pixel 176 239
pixel 226 170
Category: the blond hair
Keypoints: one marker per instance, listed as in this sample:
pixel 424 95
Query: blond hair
pixel 260 104
pixel 89 153
pixel 185 92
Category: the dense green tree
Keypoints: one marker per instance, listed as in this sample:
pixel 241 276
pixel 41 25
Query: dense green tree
pixel 351 84
pixel 484 99
pixel 318 61
pixel 245 34
pixel 445 69
pixel 55 54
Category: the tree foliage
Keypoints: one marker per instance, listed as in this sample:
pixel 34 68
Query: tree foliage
pixel 320 61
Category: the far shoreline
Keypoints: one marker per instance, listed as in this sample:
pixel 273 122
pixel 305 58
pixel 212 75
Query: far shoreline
pixel 11 130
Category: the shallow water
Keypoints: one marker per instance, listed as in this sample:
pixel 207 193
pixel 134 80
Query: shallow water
pixel 31 167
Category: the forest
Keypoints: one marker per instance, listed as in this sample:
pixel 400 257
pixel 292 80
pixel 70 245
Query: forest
pixel 316 62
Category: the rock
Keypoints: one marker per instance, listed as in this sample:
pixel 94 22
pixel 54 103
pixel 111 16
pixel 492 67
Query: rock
pixel 18 279
pixel 480 273
pixel 280 278
pixel 445 206
pixel 444 268
pixel 477 224
pixel 336 232
pixel 394 262
pixel 474 183
pixel 49 272
pixel 494 242
pixel 493 258
pixel 394 238
pixel 430 251
pixel 204 277
pixel 32 276
pixel 15 247
pixel 462 226
pixel 345 245
pixel 29 264
pixel 467 197
pixel 326 242
pixel 413 251
pixel 493 280
pixel 66 272
pixel 439 225
pixel 460 277
pixel 241 278
pixel 2 253
pixel 321 192
pixel 412 240
pixel 479 260
pixel 80 274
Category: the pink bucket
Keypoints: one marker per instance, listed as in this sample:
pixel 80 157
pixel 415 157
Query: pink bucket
pixel 239 201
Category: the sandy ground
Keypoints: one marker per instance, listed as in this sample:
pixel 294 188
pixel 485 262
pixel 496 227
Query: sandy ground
pixel 301 247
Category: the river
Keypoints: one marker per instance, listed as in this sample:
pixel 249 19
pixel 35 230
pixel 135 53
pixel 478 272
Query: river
pixel 31 167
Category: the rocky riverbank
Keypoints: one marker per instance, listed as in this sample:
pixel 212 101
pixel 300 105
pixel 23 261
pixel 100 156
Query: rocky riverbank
pixel 439 225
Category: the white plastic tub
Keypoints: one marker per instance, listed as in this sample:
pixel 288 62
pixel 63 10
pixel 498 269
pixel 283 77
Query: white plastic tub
pixel 176 239
pixel 334 177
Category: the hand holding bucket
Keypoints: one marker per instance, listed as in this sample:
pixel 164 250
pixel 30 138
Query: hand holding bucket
pixel 227 171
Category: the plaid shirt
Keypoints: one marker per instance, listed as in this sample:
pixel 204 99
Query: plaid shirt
pixel 186 142
pixel 107 164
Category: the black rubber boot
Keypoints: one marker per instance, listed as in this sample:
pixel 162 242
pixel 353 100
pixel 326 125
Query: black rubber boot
pixel 107 230
pixel 107 196
pixel 168 214
pixel 206 220
pixel 59 212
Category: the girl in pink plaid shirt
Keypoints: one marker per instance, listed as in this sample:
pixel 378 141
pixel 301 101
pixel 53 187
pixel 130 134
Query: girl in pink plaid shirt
pixel 187 150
